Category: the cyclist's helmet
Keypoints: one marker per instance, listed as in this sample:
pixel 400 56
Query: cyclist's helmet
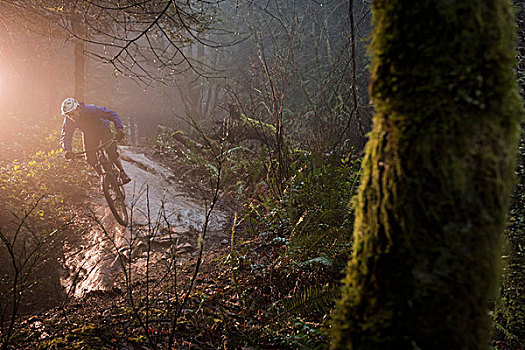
pixel 69 104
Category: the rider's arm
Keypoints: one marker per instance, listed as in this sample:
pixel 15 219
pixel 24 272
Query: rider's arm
pixel 111 116
pixel 68 129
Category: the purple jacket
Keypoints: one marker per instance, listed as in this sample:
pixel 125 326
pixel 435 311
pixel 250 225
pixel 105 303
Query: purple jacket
pixel 93 120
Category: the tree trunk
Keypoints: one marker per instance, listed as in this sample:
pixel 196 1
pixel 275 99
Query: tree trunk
pixel 436 180
pixel 512 314
pixel 53 97
pixel 80 57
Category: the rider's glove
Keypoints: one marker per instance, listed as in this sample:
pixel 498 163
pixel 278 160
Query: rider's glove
pixel 68 155
pixel 120 135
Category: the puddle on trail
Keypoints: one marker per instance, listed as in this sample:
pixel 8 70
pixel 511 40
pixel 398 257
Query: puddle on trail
pixel 93 265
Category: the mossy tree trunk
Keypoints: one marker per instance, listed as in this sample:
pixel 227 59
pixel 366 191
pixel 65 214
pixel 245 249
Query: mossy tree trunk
pixel 436 180
pixel 511 316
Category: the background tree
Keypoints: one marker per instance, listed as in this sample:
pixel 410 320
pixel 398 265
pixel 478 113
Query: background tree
pixel 299 80
pixel 101 49
pixel 436 177
pixel 301 65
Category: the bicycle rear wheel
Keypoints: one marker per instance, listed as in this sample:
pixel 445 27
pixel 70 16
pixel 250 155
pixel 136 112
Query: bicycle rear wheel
pixel 115 198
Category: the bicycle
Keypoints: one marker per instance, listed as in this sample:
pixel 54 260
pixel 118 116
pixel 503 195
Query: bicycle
pixel 112 184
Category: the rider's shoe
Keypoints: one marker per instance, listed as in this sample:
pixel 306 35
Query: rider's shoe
pixel 124 177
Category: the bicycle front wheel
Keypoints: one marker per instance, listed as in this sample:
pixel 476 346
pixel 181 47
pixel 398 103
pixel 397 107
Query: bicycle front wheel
pixel 115 198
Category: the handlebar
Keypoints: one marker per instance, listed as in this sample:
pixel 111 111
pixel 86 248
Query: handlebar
pixel 104 145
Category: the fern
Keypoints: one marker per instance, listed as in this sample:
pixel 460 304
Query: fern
pixel 316 299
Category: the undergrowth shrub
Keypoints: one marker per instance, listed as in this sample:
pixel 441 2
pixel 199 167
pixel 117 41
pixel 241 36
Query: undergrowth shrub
pixel 44 175
pixel 242 178
pixel 312 222
pixel 37 189
pixel 304 232
pixel 313 219
pixel 30 273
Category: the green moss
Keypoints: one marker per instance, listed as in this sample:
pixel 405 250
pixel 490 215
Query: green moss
pixel 436 177
pixel 510 310
pixel 53 344
pixel 265 128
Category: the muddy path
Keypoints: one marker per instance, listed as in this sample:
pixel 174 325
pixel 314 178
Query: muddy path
pixel 160 206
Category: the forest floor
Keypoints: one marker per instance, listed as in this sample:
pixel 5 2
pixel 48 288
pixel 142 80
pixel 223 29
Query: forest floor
pixel 121 293
pixel 131 288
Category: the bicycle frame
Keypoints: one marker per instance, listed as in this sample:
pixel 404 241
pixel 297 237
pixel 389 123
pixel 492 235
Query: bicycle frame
pixel 112 185
pixel 105 162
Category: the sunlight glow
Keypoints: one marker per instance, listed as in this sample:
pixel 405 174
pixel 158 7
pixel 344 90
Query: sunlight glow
pixel 1 93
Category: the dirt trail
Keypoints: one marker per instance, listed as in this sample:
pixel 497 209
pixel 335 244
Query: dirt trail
pixel 93 264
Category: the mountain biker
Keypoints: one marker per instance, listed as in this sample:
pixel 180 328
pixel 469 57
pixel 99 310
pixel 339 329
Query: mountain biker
pixel 93 121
